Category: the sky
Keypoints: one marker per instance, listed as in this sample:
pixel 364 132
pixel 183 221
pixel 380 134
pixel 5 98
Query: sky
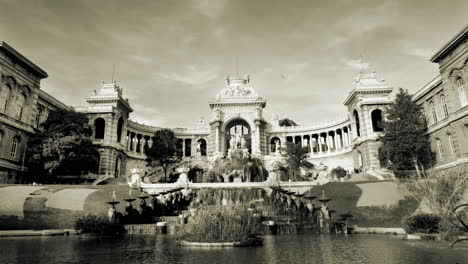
pixel 171 57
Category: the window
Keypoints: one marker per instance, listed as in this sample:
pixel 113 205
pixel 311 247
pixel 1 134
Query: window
pixel 461 91
pixel 452 145
pixel 21 104
pixel 376 117
pixel 99 128
pixel 356 120
pixel 444 105
pixel 38 115
pixel 439 148
pixel 14 147
pixel 119 129
pixel 5 96
pixel 433 112
pixel 1 137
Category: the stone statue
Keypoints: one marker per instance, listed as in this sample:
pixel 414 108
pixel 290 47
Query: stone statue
pixel 232 142
pixel 259 113
pixel 306 142
pixel 277 146
pixel 135 177
pixel 243 142
pixel 199 148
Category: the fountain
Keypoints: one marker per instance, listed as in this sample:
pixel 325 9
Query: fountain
pixel 131 214
pixel 112 213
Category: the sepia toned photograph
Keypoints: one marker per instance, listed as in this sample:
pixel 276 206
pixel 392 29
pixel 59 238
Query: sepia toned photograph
pixel 233 131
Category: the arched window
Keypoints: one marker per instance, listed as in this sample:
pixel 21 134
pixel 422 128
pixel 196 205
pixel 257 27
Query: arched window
pixel 376 117
pixel 461 91
pixel 119 129
pixel 356 120
pixel 433 112
pixel 5 97
pixel 444 105
pixel 40 110
pixel 201 147
pixel 440 149
pixel 273 142
pixel 99 128
pixel 14 146
pixel 20 106
pixel 451 143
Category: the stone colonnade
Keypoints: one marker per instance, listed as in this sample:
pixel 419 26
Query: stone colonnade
pixel 320 142
pixel 137 142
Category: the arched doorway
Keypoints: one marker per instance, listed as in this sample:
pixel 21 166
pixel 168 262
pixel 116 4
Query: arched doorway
pixel 359 160
pixel 118 163
pixel 238 135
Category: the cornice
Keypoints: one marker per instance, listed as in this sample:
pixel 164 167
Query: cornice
pixel 450 45
pixel 23 60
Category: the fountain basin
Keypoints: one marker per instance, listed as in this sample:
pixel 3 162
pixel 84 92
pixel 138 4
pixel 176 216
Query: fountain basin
pixel 245 243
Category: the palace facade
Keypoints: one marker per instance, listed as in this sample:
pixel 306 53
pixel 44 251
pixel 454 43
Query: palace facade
pixel 237 112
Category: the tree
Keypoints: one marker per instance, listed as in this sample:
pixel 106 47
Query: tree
pixel 164 152
pixel 286 122
pixel 62 146
pixel 405 141
pixel 295 157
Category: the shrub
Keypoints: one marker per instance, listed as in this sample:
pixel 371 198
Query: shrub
pixel 339 172
pixel 422 223
pixel 221 224
pixel 441 192
pixel 100 225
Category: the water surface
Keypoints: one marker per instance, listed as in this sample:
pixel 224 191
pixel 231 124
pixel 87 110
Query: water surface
pixel 308 248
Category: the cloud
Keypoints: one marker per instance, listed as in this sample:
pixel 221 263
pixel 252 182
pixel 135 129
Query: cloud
pixel 357 64
pixel 138 58
pixel 337 41
pixel 191 75
pixel 212 9
pixel 148 115
pixel 418 52
pixel 293 70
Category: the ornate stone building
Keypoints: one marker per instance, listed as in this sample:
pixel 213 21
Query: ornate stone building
pixel 237 112
pixel 237 120
pixel 445 104
pixel 23 105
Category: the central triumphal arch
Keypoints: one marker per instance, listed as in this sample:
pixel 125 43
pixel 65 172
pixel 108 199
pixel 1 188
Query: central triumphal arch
pixel 237 118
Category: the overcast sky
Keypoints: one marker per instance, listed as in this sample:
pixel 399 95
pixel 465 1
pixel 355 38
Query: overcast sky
pixel 172 56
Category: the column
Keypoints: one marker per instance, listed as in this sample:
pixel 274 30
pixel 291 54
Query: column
pixel 345 138
pixel 193 147
pixel 183 147
pixel 341 138
pixel 335 140
pixel 350 140
pixel 141 143
pixel 311 144
pixel 217 137
pixel 320 143
pixel 257 134
pixel 128 140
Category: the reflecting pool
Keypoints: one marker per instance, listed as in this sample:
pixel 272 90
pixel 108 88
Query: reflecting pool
pixel 307 248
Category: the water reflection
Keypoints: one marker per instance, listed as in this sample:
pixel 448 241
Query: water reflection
pixel 277 249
